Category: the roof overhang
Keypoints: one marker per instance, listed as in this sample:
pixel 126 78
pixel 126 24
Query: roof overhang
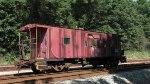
pixel 30 26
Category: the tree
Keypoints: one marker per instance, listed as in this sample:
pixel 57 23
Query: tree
pixel 9 23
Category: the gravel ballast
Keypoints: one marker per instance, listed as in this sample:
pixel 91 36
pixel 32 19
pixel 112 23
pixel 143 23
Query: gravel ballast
pixel 128 77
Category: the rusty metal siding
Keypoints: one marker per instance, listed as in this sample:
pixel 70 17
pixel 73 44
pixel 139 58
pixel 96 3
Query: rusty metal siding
pixel 55 47
pixel 68 49
pixel 48 41
pixel 86 47
pixel 59 43
pixel 49 37
pixel 63 48
pixel 82 45
pixel 55 43
pixel 73 43
pixel 76 48
pixel 79 44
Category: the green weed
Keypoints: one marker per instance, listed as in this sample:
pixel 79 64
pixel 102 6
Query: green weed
pixel 137 54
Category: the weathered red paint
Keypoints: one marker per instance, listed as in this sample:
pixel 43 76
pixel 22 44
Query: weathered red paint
pixel 51 44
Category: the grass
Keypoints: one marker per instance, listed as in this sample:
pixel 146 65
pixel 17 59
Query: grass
pixel 3 61
pixel 10 58
pixel 137 54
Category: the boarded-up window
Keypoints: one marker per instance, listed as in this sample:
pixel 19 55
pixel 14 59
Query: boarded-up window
pixel 66 40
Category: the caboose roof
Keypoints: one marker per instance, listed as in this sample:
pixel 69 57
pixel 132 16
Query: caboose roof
pixel 30 26
pixel 27 27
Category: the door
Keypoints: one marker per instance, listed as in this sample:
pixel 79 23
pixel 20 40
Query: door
pixel 43 44
pixel 33 44
pixel 96 44
pixel 90 46
pixel 38 43
pixel 94 47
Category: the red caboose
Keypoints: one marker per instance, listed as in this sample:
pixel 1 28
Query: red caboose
pixel 56 48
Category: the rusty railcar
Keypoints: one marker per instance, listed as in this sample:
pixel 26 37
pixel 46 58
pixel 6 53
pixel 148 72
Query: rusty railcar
pixel 57 47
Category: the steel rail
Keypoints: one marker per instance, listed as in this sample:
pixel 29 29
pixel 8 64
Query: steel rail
pixel 73 74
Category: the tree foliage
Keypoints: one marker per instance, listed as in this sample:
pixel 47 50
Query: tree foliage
pixel 129 18
pixel 8 24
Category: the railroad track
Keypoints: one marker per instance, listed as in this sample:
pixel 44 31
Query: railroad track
pixel 68 75
pixel 51 76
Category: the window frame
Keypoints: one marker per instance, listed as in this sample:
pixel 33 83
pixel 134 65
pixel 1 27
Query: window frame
pixel 86 44
pixel 66 40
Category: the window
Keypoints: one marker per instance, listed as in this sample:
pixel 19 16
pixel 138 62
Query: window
pixel 95 42
pixel 86 44
pixel 66 40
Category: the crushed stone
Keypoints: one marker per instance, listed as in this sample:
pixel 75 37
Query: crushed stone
pixel 128 77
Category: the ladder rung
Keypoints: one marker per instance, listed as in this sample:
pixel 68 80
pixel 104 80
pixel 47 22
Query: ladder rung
pixel 33 38
pixel 33 43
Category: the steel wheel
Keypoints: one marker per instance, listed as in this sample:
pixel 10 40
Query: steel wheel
pixel 34 69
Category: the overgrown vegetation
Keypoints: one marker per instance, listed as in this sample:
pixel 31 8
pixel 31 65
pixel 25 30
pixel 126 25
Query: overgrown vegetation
pixel 9 58
pixel 137 54
pixel 129 18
